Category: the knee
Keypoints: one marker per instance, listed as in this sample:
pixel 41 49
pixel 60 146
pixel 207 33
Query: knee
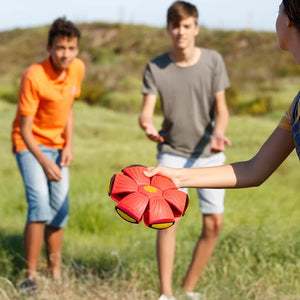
pixel 212 225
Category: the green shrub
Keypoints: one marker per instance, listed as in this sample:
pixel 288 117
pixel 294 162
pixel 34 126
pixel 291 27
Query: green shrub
pixel 259 106
pixel 92 93
pixel 10 96
pixel 232 99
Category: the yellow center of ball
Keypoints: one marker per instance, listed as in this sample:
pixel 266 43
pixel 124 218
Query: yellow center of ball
pixel 150 189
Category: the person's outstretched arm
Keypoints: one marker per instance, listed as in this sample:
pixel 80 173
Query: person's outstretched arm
pixel 67 152
pixel 52 171
pixel 219 141
pixel 236 175
pixel 146 119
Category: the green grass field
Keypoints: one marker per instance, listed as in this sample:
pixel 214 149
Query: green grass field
pixel 257 256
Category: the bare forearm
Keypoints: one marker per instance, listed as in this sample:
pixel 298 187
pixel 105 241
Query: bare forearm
pixel 214 177
pixel 52 171
pixel 221 113
pixel 69 131
pixel 221 122
pixel 32 146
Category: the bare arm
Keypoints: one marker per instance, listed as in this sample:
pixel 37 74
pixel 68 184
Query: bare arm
pixel 146 117
pixel 237 175
pixel 52 171
pixel 219 140
pixel 67 152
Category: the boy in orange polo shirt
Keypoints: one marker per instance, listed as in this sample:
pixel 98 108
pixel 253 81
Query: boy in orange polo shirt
pixel 42 141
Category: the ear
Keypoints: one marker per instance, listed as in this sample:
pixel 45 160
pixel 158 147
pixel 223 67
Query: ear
pixel 289 24
pixel 197 30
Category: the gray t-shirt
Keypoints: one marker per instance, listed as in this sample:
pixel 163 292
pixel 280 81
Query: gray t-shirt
pixel 187 99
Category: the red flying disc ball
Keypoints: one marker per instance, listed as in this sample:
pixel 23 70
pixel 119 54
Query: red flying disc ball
pixel 156 200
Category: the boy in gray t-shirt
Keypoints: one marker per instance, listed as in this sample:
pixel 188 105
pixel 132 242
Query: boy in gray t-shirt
pixel 191 83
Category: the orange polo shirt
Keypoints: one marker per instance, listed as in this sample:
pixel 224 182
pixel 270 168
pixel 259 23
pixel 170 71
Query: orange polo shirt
pixel 49 99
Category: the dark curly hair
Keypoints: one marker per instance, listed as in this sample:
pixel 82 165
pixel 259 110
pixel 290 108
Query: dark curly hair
pixel 292 9
pixel 62 27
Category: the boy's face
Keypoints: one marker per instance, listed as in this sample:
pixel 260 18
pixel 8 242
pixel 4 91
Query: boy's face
pixel 184 33
pixel 62 51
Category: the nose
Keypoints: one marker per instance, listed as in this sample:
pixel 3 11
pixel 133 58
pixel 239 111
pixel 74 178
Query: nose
pixel 181 30
pixel 65 52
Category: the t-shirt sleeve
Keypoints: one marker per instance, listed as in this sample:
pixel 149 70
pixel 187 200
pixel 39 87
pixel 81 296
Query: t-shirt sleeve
pixel 28 96
pixel 149 87
pixel 221 81
pixel 284 123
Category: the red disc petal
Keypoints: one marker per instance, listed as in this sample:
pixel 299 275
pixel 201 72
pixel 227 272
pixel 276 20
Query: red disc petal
pixel 120 186
pixel 158 212
pixel 177 200
pixel 162 182
pixel 134 205
pixel 137 174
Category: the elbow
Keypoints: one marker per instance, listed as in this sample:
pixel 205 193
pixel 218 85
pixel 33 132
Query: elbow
pixel 258 178
pixel 258 182
pixel 249 174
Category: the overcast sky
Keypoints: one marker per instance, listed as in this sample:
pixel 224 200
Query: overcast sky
pixel 222 14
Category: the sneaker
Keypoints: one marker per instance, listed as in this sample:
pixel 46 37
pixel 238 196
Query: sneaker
pixel 28 285
pixel 194 296
pixel 165 297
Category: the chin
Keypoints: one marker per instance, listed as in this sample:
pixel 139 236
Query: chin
pixel 64 66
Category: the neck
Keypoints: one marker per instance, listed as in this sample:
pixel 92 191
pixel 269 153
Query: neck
pixel 186 57
pixel 61 73
pixel 295 50
pixel 294 43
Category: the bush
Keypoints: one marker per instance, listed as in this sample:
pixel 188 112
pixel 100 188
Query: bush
pixel 232 99
pixel 92 93
pixel 259 106
pixel 10 96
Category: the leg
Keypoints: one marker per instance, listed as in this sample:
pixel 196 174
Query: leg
pixel 165 257
pixel 59 203
pixel 54 240
pixel 212 225
pixel 33 241
pixel 36 187
pixel 166 238
pixel 212 207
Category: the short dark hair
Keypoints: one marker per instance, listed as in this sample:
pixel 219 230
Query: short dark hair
pixel 63 27
pixel 180 10
pixel 292 9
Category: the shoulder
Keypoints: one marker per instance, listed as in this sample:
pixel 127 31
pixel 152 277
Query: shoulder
pixel 34 70
pixel 161 60
pixel 284 122
pixel 211 54
pixel 78 65
pixel 77 69
pixel 291 114
pixel 34 73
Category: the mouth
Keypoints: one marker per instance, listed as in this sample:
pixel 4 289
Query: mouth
pixel 65 61
pixel 180 39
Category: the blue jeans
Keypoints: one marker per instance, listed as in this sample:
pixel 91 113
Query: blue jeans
pixel 48 201
pixel 211 200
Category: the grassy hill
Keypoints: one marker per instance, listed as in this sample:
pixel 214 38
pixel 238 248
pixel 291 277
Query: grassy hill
pixel 257 256
pixel 116 54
